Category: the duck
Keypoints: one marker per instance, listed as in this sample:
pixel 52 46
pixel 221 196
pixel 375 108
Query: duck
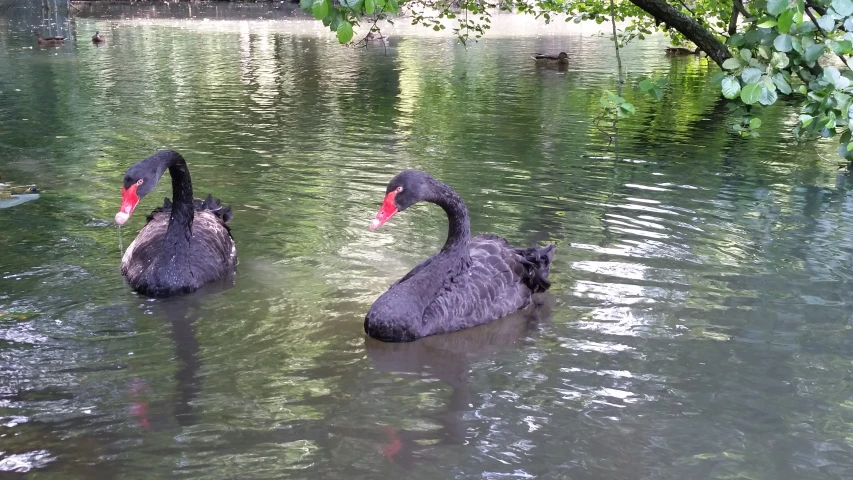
pixel 49 41
pixel 676 51
pixel 11 195
pixel 7 192
pixel 98 38
pixel 469 282
pixel 186 243
pixel 375 37
pixel 561 58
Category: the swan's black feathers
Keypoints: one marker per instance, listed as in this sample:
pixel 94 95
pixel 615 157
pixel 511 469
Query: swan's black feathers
pixel 210 204
pixel 537 263
pixel 212 253
pixel 499 280
pixel 470 282
pixel 492 281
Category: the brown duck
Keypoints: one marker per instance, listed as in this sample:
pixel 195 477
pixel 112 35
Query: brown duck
pixel 49 41
pixel 677 51
pixel 561 58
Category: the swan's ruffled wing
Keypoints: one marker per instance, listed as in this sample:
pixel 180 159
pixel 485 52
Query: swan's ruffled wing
pixel 494 285
pixel 212 256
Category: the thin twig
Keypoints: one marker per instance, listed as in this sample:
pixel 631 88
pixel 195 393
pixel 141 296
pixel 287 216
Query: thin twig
pixel 616 44
pixel 814 20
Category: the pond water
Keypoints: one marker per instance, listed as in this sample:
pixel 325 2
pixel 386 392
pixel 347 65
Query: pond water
pixel 698 325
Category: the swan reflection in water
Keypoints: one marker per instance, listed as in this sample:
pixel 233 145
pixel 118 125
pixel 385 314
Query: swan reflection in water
pixel 448 358
pixel 182 314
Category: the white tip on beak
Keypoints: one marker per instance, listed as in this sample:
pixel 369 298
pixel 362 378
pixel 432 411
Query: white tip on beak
pixel 121 218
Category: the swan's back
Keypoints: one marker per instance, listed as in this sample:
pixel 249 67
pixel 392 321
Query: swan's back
pixel 500 280
pixel 151 269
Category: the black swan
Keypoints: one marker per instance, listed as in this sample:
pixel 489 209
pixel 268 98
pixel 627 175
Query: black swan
pixel 471 281
pixel 186 243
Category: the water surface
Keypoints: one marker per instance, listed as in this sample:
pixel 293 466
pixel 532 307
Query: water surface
pixel 698 324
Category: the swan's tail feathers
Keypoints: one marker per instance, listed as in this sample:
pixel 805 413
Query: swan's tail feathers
pixel 210 204
pixel 537 263
pixel 214 206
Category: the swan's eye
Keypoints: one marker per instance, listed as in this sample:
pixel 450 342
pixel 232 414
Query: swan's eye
pixel 139 182
pixel 399 189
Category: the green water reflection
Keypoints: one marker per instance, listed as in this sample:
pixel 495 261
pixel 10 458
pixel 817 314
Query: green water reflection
pixel 697 327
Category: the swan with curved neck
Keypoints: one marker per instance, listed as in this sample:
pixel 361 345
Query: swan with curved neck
pixel 186 243
pixel 471 281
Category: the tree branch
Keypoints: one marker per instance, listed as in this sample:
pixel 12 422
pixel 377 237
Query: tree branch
pixel 733 23
pixel 690 28
pixel 737 5
pixel 817 8
pixel 819 29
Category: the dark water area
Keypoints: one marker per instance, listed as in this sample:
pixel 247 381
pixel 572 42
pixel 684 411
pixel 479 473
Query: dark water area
pixel 698 325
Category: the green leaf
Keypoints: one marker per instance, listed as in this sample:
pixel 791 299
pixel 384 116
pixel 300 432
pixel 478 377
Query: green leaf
pixel 782 84
pixel 806 120
pixel 646 85
pixel 731 87
pixel 797 44
pixel 736 40
pixel 717 77
pixel 306 4
pixel 751 75
pixel 335 18
pixel 776 7
pixel 320 9
pixel 813 52
pixel 750 93
pixel 731 64
pixel 768 96
pixel 841 47
pixel 850 146
pixel 392 7
pixel 768 23
pixel 826 23
pixel 842 7
pixel 625 109
pixel 745 54
pixel 754 122
pixel 380 4
pixel 833 76
pixel 779 60
pixel 345 32
pixel 785 20
pixel 806 27
pixel 369 7
pixel 783 43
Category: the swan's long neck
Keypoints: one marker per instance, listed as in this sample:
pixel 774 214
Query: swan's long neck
pixel 179 232
pixel 459 229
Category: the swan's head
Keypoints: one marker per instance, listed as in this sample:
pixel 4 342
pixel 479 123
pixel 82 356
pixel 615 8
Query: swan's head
pixel 406 189
pixel 140 180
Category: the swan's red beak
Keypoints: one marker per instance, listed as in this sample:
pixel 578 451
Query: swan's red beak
pixel 386 212
pixel 129 199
